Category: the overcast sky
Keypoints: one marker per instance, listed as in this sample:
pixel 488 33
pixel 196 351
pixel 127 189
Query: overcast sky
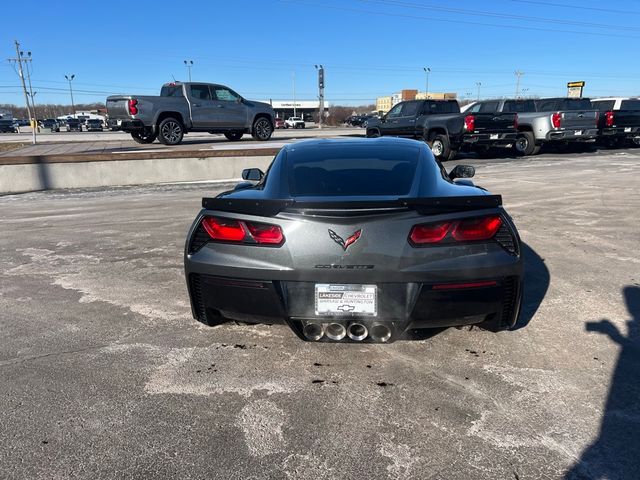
pixel 369 48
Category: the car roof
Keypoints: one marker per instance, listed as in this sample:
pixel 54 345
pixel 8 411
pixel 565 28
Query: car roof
pixel 337 144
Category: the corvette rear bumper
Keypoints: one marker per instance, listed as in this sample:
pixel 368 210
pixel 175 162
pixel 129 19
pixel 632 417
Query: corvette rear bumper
pixel 401 306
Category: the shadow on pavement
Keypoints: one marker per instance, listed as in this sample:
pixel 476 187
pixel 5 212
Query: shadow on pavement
pixel 536 284
pixel 615 454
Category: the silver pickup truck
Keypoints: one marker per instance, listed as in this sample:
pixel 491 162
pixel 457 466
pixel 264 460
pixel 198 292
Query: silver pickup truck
pixel 184 107
pixel 548 120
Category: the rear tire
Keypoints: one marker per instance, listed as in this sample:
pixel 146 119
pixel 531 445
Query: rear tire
pixel 234 136
pixel 262 129
pixel 526 144
pixel 441 148
pixel 144 137
pixel 170 131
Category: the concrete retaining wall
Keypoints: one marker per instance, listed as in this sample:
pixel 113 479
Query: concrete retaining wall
pixel 28 177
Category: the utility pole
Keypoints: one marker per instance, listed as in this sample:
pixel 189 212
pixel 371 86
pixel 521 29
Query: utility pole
pixel 18 60
pixel 478 84
pixel 29 69
pixel 293 79
pixel 73 106
pixel 427 71
pixel 320 69
pixel 518 74
pixel 188 64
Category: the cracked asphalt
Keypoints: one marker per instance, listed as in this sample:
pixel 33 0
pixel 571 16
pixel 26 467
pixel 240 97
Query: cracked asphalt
pixel 104 374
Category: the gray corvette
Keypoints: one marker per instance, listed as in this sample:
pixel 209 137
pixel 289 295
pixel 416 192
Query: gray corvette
pixel 355 241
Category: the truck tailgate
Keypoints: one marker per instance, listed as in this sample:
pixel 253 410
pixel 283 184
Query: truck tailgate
pixel 117 107
pixel 495 122
pixel 626 118
pixel 579 119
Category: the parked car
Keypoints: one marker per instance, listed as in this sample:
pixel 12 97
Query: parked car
pixel 279 123
pixel 8 125
pixel 619 121
pixel 184 107
pixel 445 129
pixel 51 124
pixel 74 125
pixel 295 122
pixel 93 125
pixel 546 121
pixel 355 241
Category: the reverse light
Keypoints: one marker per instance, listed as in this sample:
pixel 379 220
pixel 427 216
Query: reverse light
pixel 133 106
pixel 467 230
pixel 608 119
pixel 240 231
pixel 470 123
pixel 556 119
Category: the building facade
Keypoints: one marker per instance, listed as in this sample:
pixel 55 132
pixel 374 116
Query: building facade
pixel 384 104
pixel 307 109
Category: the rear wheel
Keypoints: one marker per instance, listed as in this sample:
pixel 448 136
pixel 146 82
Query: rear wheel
pixel 441 148
pixel 234 136
pixel 526 144
pixel 144 136
pixel 262 129
pixel 170 131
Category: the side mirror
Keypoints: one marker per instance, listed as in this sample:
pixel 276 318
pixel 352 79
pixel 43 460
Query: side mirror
pixel 253 174
pixel 462 171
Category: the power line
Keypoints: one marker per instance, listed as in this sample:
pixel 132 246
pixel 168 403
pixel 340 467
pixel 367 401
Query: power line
pixel 578 7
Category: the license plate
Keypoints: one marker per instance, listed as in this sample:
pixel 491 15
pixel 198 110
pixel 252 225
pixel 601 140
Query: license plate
pixel 627 129
pixel 493 136
pixel 352 299
pixel 578 132
pixel 119 122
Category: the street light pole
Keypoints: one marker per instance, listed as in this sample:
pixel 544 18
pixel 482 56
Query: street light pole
pixel 293 80
pixel 73 106
pixel 19 59
pixel 320 69
pixel 188 64
pixel 518 74
pixel 478 84
pixel 427 71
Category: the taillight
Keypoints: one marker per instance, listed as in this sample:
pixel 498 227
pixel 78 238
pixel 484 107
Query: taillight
pixel 133 106
pixel 241 231
pixel 608 119
pixel 477 229
pixel 467 230
pixel 470 123
pixel 515 122
pixel 556 118
pixel 429 233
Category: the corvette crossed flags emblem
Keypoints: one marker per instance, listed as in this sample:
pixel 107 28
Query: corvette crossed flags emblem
pixel 345 243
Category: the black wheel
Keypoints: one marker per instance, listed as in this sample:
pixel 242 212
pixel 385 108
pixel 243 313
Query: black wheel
pixel 526 144
pixel 170 131
pixel 373 133
pixel 234 136
pixel 441 148
pixel 262 129
pixel 145 136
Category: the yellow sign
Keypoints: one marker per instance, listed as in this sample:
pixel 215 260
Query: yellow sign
pixel 575 84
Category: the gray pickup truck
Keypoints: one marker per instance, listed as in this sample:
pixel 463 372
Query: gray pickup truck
pixel 184 107
pixel 550 120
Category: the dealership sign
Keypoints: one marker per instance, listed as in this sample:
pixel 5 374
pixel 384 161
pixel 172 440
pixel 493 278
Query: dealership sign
pixel 574 89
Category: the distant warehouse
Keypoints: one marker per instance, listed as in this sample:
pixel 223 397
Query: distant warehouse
pixel 384 104
pixel 307 109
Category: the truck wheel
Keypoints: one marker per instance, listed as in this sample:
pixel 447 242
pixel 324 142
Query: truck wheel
pixel 145 136
pixel 170 131
pixel 526 144
pixel 262 129
pixel 441 148
pixel 234 136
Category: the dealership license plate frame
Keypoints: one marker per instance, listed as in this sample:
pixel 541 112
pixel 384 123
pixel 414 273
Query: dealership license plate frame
pixel 354 299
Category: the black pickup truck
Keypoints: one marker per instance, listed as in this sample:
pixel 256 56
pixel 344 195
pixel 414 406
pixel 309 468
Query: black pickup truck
pixel 619 121
pixel 445 129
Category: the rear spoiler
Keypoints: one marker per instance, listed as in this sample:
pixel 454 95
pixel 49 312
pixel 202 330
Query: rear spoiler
pixel 270 208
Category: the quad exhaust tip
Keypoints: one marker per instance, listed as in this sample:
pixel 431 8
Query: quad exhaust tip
pixel 336 331
pixel 313 331
pixel 380 333
pixel 357 332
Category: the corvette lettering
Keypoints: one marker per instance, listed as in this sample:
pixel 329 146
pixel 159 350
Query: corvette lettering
pixel 347 267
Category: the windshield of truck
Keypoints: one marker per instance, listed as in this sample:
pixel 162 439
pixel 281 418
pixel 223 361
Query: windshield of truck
pixel 171 91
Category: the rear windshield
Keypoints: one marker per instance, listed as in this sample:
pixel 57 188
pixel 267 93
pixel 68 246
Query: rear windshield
pixel 519 106
pixel 352 171
pixel 604 105
pixel 630 105
pixel 171 91
pixel 550 104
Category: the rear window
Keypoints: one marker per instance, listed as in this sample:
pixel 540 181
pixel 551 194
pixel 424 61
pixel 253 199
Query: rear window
pixel 604 105
pixel 519 106
pixel 171 91
pixel 576 104
pixel 630 105
pixel 350 171
pixel 440 107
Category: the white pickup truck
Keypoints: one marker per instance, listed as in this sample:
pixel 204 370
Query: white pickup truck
pixel 294 122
